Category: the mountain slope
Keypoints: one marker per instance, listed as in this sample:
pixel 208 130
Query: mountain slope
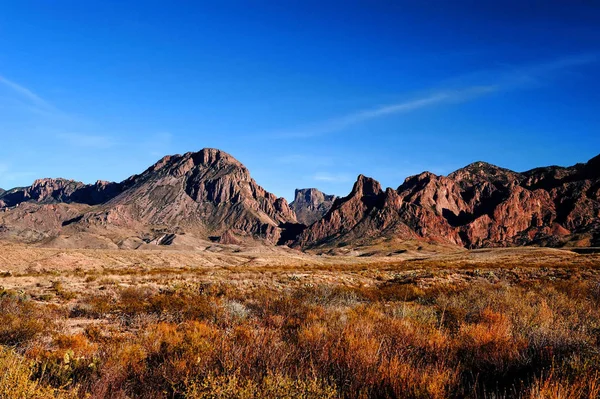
pixel 208 194
pixel 480 205
pixel 60 190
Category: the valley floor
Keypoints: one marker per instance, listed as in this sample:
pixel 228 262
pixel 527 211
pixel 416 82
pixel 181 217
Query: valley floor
pixel 231 322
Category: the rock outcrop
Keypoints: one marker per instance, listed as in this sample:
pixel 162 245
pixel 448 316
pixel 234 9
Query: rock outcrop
pixel 61 190
pixel 311 205
pixel 480 205
pixel 209 195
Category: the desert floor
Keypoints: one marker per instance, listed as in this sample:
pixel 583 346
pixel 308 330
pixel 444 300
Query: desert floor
pixel 272 322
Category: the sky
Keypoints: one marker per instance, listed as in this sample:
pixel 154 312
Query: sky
pixel 304 93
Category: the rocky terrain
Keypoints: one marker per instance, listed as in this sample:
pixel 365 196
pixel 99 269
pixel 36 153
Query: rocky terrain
pixel 60 190
pixel 186 201
pixel 206 195
pixel 311 205
pixel 480 205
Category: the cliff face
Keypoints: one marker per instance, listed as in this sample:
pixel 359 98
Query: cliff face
pixel 212 196
pixel 60 190
pixel 311 205
pixel 208 193
pixel 479 205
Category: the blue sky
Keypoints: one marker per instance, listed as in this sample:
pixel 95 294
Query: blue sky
pixel 304 93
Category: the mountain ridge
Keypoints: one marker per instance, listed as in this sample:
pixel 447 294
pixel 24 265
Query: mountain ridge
pixel 476 206
pixel 210 195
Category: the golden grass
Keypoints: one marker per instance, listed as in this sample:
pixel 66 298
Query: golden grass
pixel 449 330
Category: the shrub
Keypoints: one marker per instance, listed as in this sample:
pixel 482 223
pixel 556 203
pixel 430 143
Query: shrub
pixel 16 380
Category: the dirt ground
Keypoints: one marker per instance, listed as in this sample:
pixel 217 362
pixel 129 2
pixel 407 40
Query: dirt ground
pixel 37 271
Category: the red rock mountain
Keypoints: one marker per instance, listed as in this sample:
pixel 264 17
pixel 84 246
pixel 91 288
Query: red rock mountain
pixel 207 193
pixel 479 205
pixel 311 205
pixel 210 195
pixel 60 190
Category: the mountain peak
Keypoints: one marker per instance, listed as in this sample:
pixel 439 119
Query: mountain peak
pixel 366 186
pixel 205 157
pixel 482 169
pixel 310 204
pixel 207 192
pixel 209 156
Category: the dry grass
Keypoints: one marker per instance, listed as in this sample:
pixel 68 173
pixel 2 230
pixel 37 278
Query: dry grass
pixel 492 325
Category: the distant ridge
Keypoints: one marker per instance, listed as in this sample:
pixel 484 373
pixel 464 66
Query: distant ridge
pixel 207 193
pixel 480 205
pixel 311 205
pixel 209 196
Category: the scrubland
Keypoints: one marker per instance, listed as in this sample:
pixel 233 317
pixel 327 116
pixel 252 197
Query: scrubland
pixel 482 324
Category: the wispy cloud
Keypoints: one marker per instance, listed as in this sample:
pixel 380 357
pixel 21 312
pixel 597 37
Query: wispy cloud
pixel 87 140
pixel 28 97
pixel 332 177
pixel 305 160
pixel 439 97
pixel 509 78
pixel 8 176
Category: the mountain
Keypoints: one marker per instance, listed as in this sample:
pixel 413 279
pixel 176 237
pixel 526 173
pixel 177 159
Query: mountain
pixel 60 190
pixel 480 205
pixel 207 194
pixel 311 205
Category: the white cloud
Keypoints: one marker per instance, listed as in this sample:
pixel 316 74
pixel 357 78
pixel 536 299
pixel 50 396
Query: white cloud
pixel 510 78
pixel 29 99
pixel 440 97
pixel 304 160
pixel 87 140
pixel 332 177
pixel 24 92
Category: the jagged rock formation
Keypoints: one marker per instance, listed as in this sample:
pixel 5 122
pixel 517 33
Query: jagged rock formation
pixel 60 190
pixel 479 205
pixel 311 205
pixel 208 193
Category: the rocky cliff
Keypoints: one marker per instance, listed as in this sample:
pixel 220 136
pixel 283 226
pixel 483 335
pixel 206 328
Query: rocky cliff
pixel 480 205
pixel 61 190
pixel 208 193
pixel 311 205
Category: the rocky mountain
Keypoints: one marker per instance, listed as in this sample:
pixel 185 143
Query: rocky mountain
pixel 480 205
pixel 61 190
pixel 208 194
pixel 311 205
pixel 2 191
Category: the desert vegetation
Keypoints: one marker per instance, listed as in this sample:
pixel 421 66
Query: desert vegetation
pixel 410 329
